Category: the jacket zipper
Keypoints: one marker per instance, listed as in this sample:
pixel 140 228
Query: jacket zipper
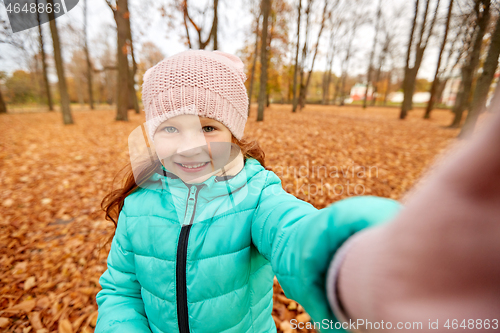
pixel 182 308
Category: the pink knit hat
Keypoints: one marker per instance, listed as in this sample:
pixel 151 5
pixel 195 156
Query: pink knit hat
pixel 204 83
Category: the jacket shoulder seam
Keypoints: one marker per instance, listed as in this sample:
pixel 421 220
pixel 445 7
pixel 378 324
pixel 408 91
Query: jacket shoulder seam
pixel 152 293
pixel 126 232
pixel 263 297
pixel 265 221
pixel 224 215
pixel 220 255
pixel 148 256
pixel 246 314
pixel 231 291
pixel 152 215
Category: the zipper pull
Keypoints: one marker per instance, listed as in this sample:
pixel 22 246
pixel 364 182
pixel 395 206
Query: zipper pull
pixel 191 201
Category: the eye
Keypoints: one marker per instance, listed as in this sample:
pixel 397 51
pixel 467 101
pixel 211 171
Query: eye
pixel 170 129
pixel 209 128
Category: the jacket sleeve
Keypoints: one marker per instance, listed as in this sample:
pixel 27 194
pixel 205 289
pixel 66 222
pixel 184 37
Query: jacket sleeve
pixel 120 305
pixel 300 241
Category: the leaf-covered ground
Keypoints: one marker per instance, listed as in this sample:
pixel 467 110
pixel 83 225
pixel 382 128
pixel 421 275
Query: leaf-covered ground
pixel 53 178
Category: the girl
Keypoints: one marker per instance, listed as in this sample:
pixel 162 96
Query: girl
pixel 203 228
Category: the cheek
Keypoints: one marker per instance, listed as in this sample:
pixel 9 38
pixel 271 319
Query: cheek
pixel 219 137
pixel 164 148
pixel 219 147
pixel 224 136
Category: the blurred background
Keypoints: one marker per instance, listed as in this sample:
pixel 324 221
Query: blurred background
pixel 442 53
pixel 348 97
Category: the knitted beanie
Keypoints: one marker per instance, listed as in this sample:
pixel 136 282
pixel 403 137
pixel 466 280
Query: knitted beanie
pixel 204 83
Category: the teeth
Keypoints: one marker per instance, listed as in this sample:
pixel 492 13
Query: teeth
pixel 193 166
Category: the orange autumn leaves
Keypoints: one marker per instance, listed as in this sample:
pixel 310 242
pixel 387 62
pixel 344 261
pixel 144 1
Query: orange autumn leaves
pixel 53 178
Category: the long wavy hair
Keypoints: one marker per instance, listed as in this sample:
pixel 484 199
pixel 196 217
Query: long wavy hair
pixel 113 202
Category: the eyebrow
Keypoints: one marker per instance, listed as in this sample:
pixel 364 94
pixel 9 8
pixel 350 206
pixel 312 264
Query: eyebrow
pixel 210 121
pixel 175 122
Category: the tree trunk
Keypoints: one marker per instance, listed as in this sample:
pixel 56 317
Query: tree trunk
pixel 326 83
pixel 435 82
pixel 469 69
pixel 342 89
pixel 216 22
pixel 337 91
pixel 327 78
pixel 381 61
pixel 63 90
pixel 440 89
pixel 372 54
pixel 343 77
pixel 421 45
pixel 79 92
pixel 304 55
pixel 269 39
pixel 408 90
pixel 3 107
pixel 302 97
pixel 132 71
pixel 252 75
pixel 133 101
pixel 388 86
pixel 345 69
pixel 121 15
pixel 89 66
pixel 407 103
pixel 483 83
pixel 294 107
pixel 266 8
pixel 44 63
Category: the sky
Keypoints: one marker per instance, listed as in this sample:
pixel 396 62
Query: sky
pixel 234 28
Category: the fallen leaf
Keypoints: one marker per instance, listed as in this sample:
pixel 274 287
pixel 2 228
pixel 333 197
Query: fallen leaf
pixel 25 306
pixel 35 321
pixel 4 322
pixel 65 326
pixel 29 283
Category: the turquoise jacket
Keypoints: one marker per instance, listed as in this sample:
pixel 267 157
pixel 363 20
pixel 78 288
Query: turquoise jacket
pixel 202 257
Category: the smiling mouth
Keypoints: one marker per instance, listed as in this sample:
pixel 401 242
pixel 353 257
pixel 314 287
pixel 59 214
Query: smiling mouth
pixel 192 165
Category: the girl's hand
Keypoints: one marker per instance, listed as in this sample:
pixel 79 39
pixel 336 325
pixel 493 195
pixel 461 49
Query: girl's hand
pixel 439 259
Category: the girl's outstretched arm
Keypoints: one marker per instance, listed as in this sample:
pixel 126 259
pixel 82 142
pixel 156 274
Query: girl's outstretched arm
pixel 121 308
pixel 439 259
pixel 300 240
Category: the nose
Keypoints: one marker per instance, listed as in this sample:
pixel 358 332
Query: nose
pixel 191 143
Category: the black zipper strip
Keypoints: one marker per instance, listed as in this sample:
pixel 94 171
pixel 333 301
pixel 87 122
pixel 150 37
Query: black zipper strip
pixel 182 307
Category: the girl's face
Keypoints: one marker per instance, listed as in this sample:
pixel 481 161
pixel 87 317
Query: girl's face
pixel 192 147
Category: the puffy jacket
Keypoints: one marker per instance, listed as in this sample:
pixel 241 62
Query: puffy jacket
pixel 202 257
